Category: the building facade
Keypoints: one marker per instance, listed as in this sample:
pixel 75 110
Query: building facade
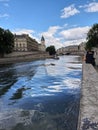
pixel 72 49
pixel 25 43
pixel 82 46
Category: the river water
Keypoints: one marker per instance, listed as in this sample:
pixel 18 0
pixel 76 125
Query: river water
pixel 40 95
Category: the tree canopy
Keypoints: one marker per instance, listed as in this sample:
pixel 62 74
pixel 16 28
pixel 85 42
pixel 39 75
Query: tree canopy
pixel 92 37
pixel 6 41
pixel 51 50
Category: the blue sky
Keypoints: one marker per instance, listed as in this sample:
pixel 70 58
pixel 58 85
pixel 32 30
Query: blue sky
pixel 61 22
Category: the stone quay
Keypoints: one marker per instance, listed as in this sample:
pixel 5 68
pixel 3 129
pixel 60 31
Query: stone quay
pixel 88 114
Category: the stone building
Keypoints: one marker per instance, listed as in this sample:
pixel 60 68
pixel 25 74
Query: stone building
pixel 41 45
pixel 82 46
pixel 72 49
pixel 60 51
pixel 25 43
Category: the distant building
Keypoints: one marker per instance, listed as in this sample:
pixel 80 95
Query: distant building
pixel 41 45
pixel 60 50
pixel 82 46
pixel 72 49
pixel 25 43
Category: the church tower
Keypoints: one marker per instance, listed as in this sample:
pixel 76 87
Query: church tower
pixel 42 40
pixel 42 46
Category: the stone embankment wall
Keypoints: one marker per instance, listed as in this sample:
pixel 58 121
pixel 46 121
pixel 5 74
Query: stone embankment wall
pixel 23 56
pixel 88 116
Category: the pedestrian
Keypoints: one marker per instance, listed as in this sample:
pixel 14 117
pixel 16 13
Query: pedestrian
pixel 90 57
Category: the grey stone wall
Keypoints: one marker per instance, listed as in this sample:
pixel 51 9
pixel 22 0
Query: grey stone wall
pixel 23 57
pixel 88 116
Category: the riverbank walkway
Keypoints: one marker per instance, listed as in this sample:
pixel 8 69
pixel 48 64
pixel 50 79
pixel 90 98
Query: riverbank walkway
pixel 88 116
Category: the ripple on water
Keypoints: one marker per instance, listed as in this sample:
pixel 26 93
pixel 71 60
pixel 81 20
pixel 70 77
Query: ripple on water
pixel 41 96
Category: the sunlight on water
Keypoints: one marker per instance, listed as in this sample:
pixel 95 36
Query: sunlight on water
pixel 40 95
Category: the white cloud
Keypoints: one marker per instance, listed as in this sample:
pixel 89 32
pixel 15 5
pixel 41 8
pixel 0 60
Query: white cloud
pixel 74 36
pixel 51 31
pixel 25 31
pixel 75 33
pixel 74 42
pixel 69 11
pixel 91 7
pixel 4 15
pixel 53 41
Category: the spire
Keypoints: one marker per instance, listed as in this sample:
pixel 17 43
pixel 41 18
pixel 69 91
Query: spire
pixel 42 39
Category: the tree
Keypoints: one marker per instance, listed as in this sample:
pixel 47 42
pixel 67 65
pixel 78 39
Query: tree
pixel 51 50
pixel 88 46
pixel 92 37
pixel 6 42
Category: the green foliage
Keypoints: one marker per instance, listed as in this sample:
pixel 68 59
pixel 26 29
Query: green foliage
pixel 88 46
pixel 51 50
pixel 92 37
pixel 6 41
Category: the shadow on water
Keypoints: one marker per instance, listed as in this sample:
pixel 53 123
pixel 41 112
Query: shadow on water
pixel 9 75
pixel 40 96
pixel 5 88
pixel 18 94
pixel 6 81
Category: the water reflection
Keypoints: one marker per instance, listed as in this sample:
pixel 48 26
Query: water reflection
pixel 19 93
pixel 40 95
pixel 6 80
